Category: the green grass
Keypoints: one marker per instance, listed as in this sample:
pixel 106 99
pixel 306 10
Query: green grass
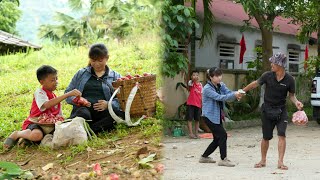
pixel 18 72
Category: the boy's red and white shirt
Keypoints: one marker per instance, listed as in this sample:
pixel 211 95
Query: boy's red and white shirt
pixel 195 95
pixel 39 98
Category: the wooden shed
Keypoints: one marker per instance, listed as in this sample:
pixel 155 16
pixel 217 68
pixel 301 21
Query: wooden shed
pixel 12 44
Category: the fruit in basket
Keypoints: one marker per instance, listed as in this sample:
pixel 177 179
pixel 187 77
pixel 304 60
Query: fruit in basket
pixel 80 101
pixel 49 118
pixel 137 76
pixel 129 76
pixel 119 79
pixel 146 74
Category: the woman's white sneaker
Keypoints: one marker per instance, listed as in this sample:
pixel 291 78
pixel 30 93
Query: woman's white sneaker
pixel 206 160
pixel 226 162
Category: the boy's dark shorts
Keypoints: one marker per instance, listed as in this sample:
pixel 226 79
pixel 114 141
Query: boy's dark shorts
pixel 268 124
pixel 193 113
pixel 35 126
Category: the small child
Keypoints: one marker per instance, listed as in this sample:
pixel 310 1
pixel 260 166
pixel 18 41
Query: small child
pixel 194 103
pixel 44 102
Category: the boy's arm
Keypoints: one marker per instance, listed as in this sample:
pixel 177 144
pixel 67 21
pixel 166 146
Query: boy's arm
pixel 57 100
pixel 72 86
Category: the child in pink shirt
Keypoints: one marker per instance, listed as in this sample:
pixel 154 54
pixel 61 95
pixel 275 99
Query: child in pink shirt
pixel 194 104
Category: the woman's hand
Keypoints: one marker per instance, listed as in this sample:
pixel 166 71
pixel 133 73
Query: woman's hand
pixel 238 95
pixel 74 92
pixel 101 105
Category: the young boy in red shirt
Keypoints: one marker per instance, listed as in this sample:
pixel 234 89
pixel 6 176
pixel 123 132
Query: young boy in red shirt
pixel 44 102
pixel 194 104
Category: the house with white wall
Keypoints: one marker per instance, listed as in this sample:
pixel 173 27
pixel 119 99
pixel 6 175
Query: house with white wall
pixel 224 49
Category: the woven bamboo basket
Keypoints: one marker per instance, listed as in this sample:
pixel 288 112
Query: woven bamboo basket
pixel 144 102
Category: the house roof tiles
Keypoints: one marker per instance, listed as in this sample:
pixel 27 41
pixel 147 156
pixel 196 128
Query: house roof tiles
pixel 7 38
pixel 229 12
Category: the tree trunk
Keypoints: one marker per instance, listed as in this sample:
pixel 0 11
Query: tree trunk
pixel 267 50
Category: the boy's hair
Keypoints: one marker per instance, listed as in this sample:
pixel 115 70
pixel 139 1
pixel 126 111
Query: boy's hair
pixel 98 51
pixel 44 71
pixel 195 71
pixel 214 71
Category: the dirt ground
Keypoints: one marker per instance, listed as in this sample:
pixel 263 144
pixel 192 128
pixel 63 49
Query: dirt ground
pixel 120 157
pixel 302 156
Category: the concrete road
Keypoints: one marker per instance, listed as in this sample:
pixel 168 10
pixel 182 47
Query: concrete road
pixel 302 156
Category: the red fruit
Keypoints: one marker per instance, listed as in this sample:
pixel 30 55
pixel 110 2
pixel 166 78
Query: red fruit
pixel 146 74
pixel 159 168
pixel 129 76
pixel 119 79
pixel 97 169
pixel 137 76
pixel 114 176
pixel 125 78
pixel 80 101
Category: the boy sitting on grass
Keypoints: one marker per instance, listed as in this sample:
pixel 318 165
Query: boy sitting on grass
pixel 44 102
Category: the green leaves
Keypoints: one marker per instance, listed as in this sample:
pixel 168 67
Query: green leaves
pixel 144 163
pixel 186 12
pixel 9 170
pixel 9 15
pixel 178 23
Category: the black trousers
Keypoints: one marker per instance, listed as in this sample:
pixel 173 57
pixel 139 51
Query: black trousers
pixel 219 139
pixel 101 120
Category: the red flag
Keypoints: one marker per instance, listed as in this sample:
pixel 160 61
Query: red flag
pixel 242 49
pixel 306 55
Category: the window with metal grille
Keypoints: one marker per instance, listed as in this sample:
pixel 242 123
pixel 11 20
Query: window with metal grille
pixel 226 55
pixel 294 60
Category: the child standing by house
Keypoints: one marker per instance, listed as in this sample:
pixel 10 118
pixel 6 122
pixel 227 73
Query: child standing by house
pixel 44 102
pixel 194 103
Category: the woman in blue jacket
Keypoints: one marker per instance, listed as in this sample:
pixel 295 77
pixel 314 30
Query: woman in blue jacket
pixel 214 94
pixel 95 84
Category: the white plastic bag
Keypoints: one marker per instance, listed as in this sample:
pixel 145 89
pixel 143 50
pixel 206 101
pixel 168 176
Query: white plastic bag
pixel 69 133
pixel 299 118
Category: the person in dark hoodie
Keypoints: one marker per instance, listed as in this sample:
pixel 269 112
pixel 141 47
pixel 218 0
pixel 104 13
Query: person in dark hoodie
pixel 95 84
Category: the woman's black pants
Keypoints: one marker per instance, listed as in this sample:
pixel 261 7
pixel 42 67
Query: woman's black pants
pixel 219 139
pixel 101 120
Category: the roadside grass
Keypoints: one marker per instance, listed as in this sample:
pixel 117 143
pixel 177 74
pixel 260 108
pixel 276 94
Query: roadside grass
pixel 18 82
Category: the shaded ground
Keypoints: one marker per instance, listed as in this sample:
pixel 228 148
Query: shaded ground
pixel 181 156
pixel 116 156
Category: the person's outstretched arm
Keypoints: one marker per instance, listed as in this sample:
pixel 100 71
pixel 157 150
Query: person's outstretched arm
pixel 250 86
pixel 57 100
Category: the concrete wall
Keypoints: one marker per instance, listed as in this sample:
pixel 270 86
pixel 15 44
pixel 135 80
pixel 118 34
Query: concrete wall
pixel 207 55
pixel 173 98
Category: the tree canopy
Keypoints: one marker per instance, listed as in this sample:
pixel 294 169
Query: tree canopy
pixel 9 15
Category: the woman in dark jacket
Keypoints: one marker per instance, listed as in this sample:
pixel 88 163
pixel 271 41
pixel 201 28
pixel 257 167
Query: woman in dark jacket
pixel 95 84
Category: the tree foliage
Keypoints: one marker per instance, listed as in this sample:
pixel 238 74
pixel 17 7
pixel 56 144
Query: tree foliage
pixel 9 15
pixel 105 19
pixel 306 13
pixel 265 11
pixel 177 22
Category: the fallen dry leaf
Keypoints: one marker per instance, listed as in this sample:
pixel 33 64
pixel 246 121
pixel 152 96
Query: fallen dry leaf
pixel 47 167
pixel 59 155
pixel 143 150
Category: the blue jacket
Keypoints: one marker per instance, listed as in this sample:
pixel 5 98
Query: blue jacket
pixel 210 98
pixel 81 78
